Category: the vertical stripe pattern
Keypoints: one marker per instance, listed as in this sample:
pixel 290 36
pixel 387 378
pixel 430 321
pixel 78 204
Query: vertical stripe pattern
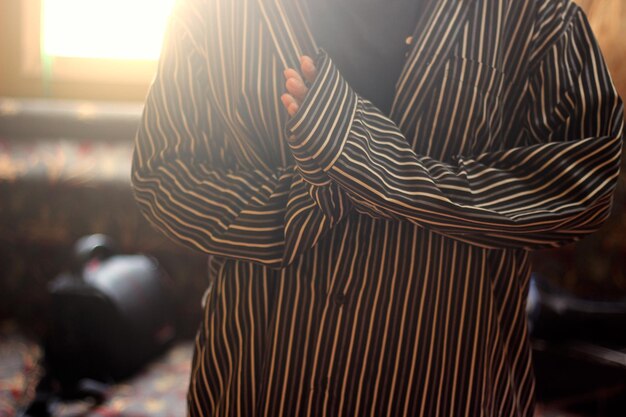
pixel 369 264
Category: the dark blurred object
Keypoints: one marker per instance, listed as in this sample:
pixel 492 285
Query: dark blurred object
pixel 580 378
pixel 559 316
pixel 579 350
pixel 110 316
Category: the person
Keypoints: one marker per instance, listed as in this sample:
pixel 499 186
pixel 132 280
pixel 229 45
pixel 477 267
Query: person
pixel 368 246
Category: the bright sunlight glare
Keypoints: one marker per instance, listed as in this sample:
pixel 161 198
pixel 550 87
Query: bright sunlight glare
pixel 116 29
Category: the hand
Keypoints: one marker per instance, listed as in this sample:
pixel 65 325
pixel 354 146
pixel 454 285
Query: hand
pixel 295 84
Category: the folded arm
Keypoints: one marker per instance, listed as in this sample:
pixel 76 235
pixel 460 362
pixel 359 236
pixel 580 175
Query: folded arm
pixel 543 195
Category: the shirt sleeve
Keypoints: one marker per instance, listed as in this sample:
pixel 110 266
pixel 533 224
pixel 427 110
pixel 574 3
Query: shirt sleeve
pixel 188 185
pixel 551 192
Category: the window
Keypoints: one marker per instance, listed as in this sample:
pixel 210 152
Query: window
pixel 111 41
pixel 113 29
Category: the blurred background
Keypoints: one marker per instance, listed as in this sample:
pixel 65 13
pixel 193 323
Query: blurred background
pixel 73 75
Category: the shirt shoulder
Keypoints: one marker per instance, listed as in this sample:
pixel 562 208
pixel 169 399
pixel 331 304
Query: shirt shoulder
pixel 551 19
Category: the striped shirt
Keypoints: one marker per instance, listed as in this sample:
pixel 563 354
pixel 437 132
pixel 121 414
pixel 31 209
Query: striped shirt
pixel 372 265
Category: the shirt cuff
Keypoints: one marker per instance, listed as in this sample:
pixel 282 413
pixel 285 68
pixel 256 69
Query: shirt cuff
pixel 320 128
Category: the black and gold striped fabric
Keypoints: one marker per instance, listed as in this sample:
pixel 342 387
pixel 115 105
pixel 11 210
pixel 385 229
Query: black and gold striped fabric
pixel 370 264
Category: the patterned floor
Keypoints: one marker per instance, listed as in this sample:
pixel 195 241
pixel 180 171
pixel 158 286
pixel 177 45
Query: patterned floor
pixel 19 370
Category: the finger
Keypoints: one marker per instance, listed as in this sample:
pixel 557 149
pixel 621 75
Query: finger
pixel 287 100
pixel 290 104
pixel 293 109
pixel 308 68
pixel 296 88
pixel 292 73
